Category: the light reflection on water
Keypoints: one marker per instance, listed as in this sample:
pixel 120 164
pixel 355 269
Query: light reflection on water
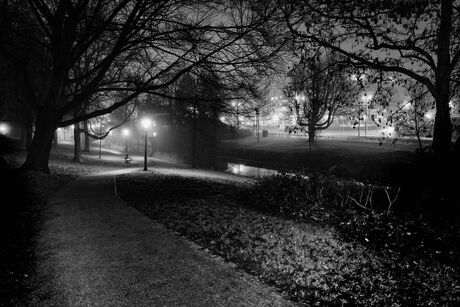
pixel 249 171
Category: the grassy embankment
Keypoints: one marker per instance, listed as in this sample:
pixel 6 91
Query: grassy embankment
pixel 291 235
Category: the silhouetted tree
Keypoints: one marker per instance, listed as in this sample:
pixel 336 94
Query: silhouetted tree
pixel 415 117
pixel 124 45
pixel 318 90
pixel 416 40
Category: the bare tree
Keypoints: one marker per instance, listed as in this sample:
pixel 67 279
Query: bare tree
pixel 319 89
pixel 414 40
pixel 415 117
pixel 124 45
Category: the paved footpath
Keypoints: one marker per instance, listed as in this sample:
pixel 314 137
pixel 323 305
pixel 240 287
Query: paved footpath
pixel 94 250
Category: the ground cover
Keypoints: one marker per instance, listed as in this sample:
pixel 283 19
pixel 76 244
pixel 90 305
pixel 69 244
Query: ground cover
pixel 305 256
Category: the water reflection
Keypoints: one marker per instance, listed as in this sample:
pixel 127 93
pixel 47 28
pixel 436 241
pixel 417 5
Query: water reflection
pixel 249 171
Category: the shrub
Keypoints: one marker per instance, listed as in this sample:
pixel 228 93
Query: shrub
pixel 360 212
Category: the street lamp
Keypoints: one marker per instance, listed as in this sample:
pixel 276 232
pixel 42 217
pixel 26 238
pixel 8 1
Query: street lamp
pixel 4 129
pixel 126 134
pixel 145 123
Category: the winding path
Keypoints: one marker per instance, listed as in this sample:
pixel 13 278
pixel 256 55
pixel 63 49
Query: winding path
pixel 94 250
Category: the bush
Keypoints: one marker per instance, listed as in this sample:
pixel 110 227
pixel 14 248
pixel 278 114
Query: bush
pixel 360 212
pixel 306 197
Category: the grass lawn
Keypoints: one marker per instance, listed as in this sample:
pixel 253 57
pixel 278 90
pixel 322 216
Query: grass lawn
pixel 310 261
pixel 364 161
pixel 315 258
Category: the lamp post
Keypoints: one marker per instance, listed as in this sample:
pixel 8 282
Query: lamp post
pixel 126 134
pixel 145 122
pixel 100 139
pixel 99 127
pixel 257 123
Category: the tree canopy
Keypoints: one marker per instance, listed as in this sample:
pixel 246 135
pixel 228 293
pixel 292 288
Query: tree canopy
pixel 85 48
pixel 412 40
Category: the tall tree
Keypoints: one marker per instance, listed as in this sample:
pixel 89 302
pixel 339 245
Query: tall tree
pixel 415 40
pixel 319 89
pixel 123 45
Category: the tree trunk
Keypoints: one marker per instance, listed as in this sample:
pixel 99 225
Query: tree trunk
pixel 456 149
pixel 311 136
pixel 23 136
pixel 26 135
pixel 417 129
pixel 212 151
pixel 40 148
pixel 442 126
pixel 77 144
pixel 442 133
pixel 55 139
pixel 85 127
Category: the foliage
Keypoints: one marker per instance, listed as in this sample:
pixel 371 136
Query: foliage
pixel 414 117
pixel 307 262
pixel 92 51
pixel 404 40
pixel 364 213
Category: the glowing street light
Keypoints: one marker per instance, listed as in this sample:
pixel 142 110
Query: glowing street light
pixel 145 123
pixel 4 128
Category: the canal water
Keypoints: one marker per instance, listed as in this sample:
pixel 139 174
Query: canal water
pixel 249 171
